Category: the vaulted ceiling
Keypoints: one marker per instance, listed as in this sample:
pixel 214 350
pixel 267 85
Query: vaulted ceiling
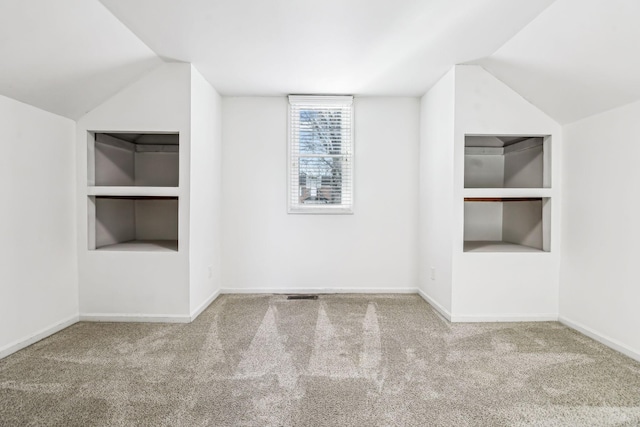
pixel 578 58
pixel 362 47
pixel 67 56
pixel 571 58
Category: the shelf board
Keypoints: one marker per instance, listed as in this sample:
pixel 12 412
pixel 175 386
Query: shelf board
pixel 134 191
pixel 496 246
pixel 488 193
pixel 502 199
pixel 143 246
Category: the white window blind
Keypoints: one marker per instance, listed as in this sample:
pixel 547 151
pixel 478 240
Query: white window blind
pixel 320 154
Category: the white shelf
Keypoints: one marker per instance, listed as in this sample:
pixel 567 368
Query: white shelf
pixel 143 246
pixel 480 193
pixel 134 191
pixel 514 221
pixel 507 193
pixel 133 159
pixel 506 162
pixel 117 220
pixel 496 246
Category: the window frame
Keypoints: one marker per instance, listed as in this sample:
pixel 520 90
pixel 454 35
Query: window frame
pixel 293 158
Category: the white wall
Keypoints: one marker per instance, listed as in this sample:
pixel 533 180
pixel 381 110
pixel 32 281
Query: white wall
pixel 483 221
pixel 484 171
pixel 522 168
pixel 266 249
pixel 436 192
pixel 38 276
pixel 206 193
pixel 600 231
pixel 505 286
pixel 138 284
pixel 115 221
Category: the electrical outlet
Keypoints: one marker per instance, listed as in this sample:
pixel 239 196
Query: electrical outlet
pixel 210 272
pixel 433 273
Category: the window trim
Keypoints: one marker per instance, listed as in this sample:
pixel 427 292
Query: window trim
pixel 293 208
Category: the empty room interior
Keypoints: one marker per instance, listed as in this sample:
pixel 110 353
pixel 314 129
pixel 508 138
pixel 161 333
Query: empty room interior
pixel 338 213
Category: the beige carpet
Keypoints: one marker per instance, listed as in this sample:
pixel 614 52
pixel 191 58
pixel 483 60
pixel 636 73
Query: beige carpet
pixel 343 360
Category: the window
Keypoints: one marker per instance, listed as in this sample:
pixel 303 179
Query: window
pixel 320 154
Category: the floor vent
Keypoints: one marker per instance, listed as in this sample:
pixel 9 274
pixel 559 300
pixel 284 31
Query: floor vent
pixel 300 296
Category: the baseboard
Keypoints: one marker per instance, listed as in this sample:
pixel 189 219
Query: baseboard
pixel 44 333
pixel 609 342
pixel 319 291
pixel 195 313
pixel 440 309
pixel 543 317
pixel 134 318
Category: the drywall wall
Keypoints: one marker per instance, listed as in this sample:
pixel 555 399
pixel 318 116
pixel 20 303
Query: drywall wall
pixel 507 286
pixel 153 285
pixel 522 223
pixel 436 192
pixel 483 171
pixel 483 221
pixel 156 219
pixel 38 276
pixel 114 165
pixel 599 290
pixel 157 169
pixel 115 220
pixel 522 168
pixel 266 249
pixel 206 193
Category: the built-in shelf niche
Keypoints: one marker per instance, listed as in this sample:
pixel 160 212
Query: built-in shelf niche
pixel 133 159
pixel 507 224
pixel 507 161
pixel 133 223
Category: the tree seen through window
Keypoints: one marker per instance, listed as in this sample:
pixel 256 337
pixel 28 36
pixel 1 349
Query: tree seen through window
pixel 321 156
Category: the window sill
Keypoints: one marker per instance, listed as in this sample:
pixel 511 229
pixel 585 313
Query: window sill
pixel 326 210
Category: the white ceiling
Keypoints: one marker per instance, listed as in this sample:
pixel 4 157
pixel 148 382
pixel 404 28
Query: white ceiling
pixel 67 56
pixel 578 58
pixel 571 58
pixel 361 47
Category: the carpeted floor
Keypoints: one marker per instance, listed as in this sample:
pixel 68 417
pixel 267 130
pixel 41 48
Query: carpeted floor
pixel 342 360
